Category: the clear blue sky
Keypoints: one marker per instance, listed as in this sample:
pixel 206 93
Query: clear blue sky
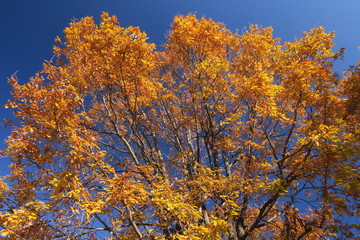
pixel 28 27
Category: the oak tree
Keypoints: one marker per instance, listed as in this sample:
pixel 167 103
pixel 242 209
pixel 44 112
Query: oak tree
pixel 214 135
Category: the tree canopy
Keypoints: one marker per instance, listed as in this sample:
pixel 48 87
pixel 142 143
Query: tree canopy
pixel 214 135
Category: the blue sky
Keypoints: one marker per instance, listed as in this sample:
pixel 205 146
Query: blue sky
pixel 28 28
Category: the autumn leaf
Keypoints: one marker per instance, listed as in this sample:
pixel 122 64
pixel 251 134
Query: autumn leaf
pixel 214 135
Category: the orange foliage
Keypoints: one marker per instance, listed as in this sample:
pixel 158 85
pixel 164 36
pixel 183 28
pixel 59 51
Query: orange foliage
pixel 214 136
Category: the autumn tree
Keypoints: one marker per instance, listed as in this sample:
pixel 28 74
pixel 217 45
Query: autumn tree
pixel 214 135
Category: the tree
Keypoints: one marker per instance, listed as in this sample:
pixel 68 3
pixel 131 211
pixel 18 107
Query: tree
pixel 215 136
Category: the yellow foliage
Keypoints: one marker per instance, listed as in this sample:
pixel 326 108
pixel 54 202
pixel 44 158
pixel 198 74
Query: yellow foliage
pixel 216 135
